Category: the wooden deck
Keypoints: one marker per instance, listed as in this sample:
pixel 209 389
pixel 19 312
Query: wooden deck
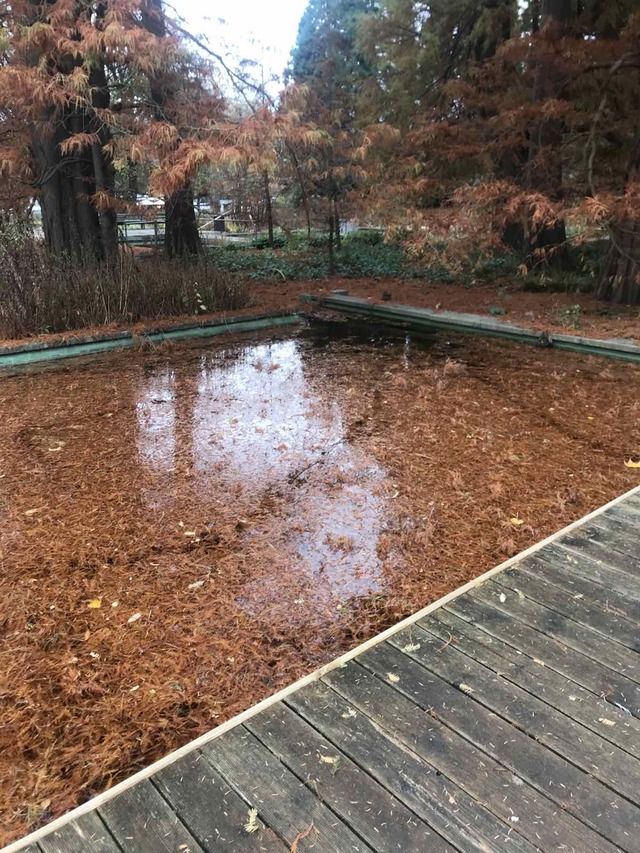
pixel 505 717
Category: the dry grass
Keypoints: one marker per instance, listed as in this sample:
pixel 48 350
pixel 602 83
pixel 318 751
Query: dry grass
pixel 44 294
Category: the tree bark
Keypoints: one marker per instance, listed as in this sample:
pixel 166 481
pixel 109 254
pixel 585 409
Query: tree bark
pixel 332 260
pixel 268 206
pixel 619 279
pixel 547 242
pixel 181 236
pixel 72 223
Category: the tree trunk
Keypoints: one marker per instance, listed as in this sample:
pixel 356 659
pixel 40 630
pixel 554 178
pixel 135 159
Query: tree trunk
pixel 619 279
pixel 547 242
pixel 181 235
pixel 268 206
pixel 181 229
pixel 332 260
pixel 71 223
pixel 336 224
pixel 65 184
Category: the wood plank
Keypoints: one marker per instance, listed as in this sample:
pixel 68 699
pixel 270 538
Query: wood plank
pixel 529 812
pixel 425 789
pixel 579 542
pixel 214 814
pixel 142 822
pixel 630 506
pixel 621 542
pixel 86 834
pixel 572 789
pixel 283 802
pixel 574 605
pixel 32 848
pixel 548 652
pixel 590 567
pixel 607 599
pixel 569 633
pixel 610 722
pixel 614 530
pixel 570 740
pixel 385 823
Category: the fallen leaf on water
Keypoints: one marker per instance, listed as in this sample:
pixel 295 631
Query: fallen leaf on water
pixel 252 825
pixel 629 463
pixel 95 603
pixel 134 618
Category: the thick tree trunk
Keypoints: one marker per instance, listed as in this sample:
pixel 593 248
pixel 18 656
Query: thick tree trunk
pixel 65 183
pixel 181 229
pixel 181 235
pixel 619 279
pixel 71 223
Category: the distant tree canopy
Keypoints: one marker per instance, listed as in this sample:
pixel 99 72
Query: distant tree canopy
pixel 515 124
pixel 85 87
pixel 463 126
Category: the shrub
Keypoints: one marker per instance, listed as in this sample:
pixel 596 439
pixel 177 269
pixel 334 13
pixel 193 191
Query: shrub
pixel 40 293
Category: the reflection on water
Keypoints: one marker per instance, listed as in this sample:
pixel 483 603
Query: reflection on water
pixel 258 420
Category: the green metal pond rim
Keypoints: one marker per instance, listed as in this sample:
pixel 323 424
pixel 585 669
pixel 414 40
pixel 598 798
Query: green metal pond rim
pixel 41 352
pixel 449 321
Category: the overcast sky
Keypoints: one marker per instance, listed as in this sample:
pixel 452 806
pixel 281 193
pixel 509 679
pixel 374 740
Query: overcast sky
pixel 261 30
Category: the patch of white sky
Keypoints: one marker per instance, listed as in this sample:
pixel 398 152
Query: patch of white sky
pixel 260 32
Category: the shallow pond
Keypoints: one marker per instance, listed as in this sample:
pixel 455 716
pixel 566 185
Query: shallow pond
pixel 184 530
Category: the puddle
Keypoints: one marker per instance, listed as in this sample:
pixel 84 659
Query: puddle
pixel 256 420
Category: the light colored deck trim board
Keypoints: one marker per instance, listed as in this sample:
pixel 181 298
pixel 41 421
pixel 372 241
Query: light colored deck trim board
pixel 100 799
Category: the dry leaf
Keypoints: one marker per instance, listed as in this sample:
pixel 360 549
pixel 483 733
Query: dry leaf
pixel 629 463
pixel 195 585
pixel 516 521
pixel 393 678
pixel 348 714
pixel 411 647
pixel 299 837
pixel 134 618
pixel 503 597
pixel 606 722
pixel 466 688
pixel 31 512
pixel 95 604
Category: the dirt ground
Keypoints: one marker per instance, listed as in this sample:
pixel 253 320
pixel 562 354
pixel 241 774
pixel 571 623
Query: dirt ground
pixel 188 529
pixel 543 311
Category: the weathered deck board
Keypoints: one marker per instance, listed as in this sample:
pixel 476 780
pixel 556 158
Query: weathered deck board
pixel 549 652
pixel 531 761
pixel 564 736
pixel 506 717
pixel 593 711
pixel 86 833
